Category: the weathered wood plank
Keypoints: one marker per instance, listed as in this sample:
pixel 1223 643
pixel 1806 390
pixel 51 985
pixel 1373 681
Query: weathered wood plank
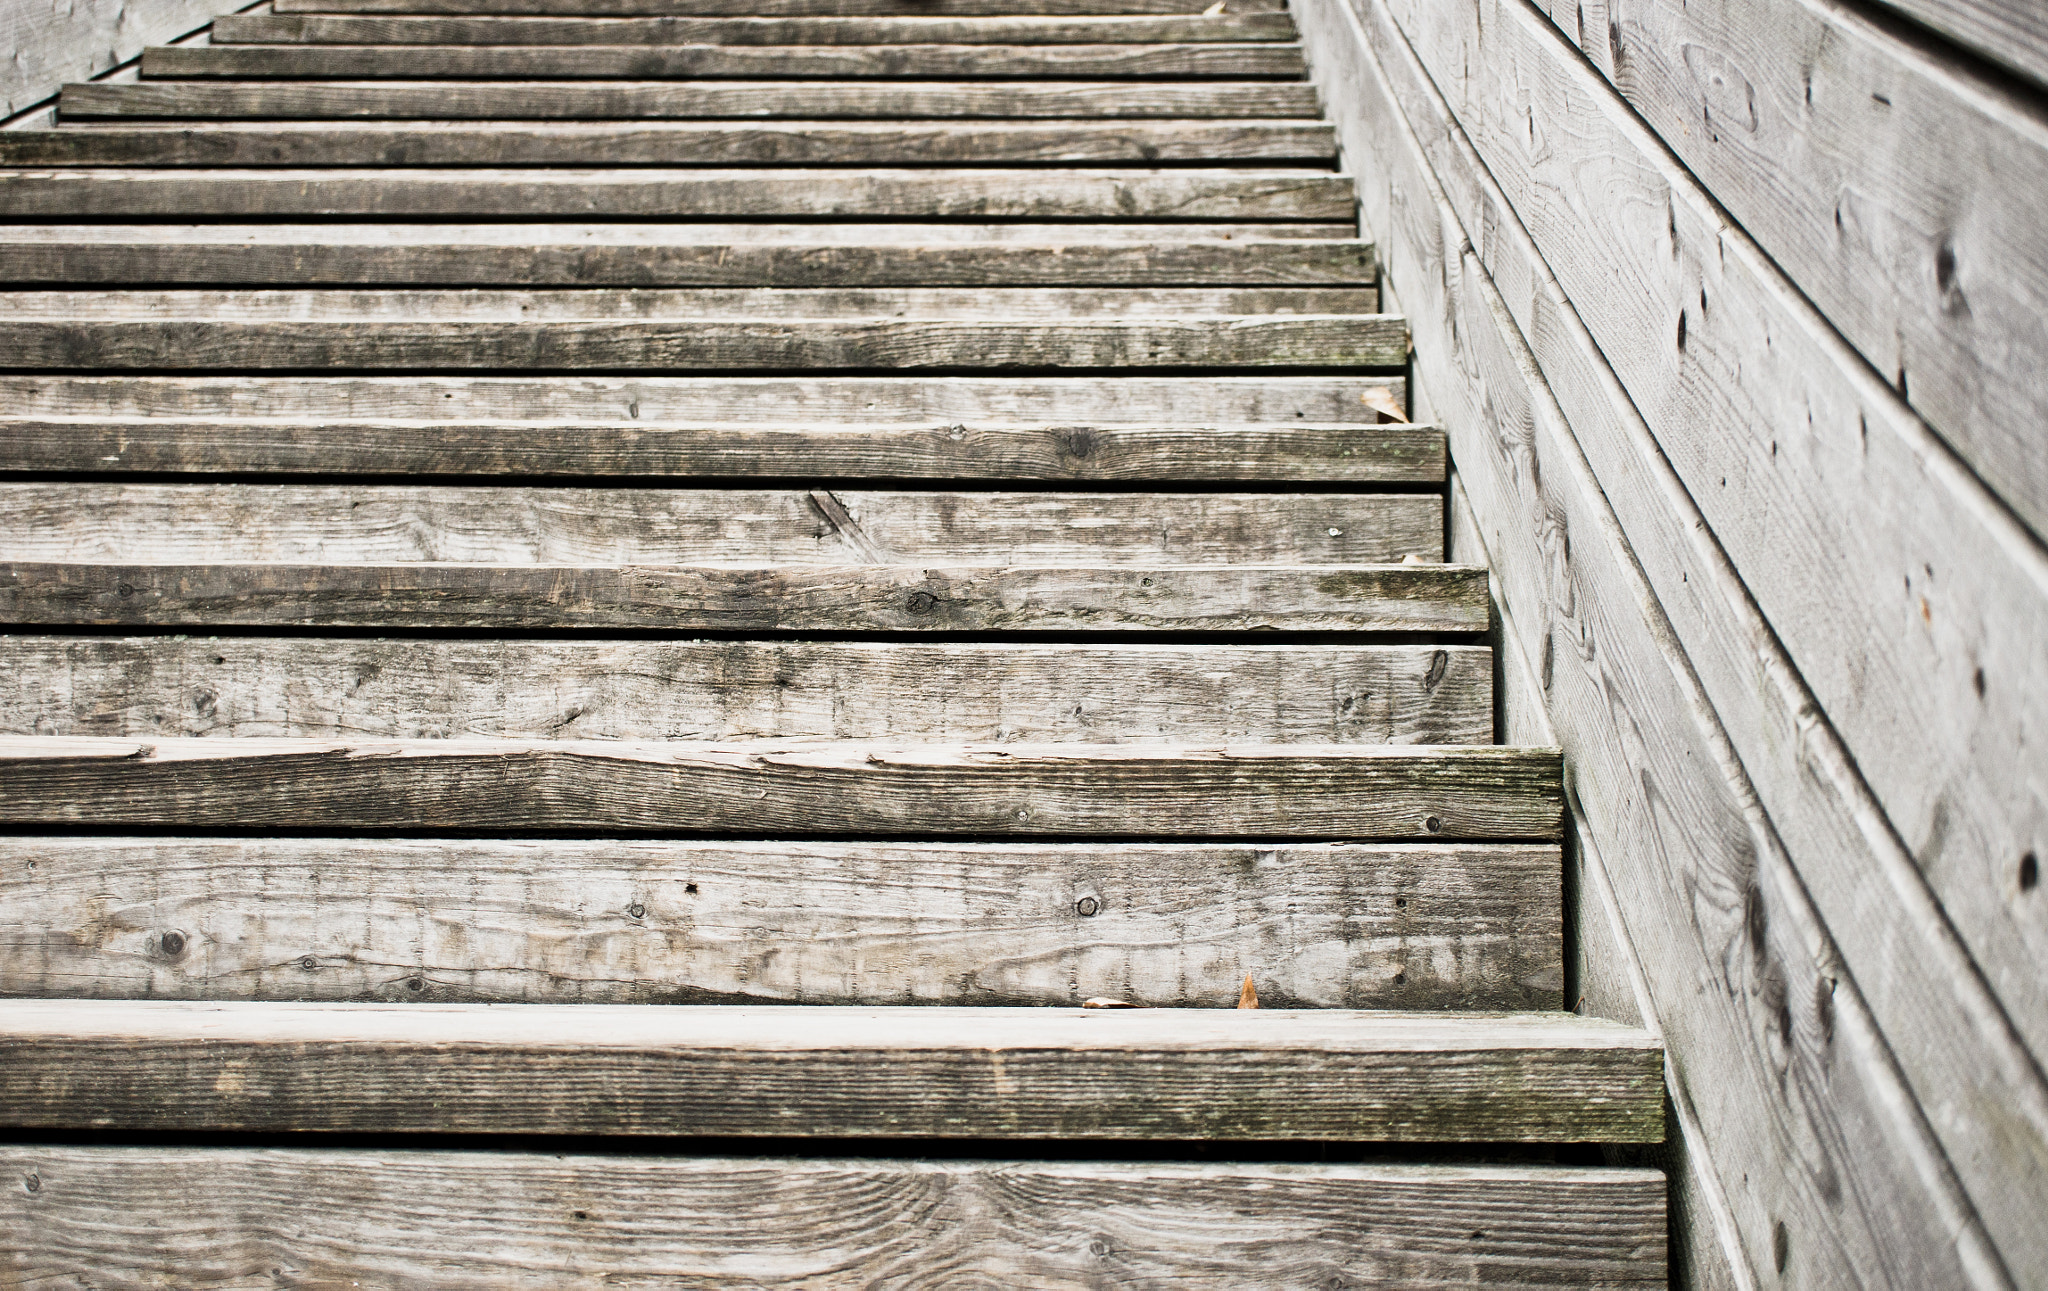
pixel 849 1072
pixel 1431 926
pixel 738 690
pixel 2011 33
pixel 1203 237
pixel 671 143
pixel 1900 194
pixel 1247 60
pixel 1356 340
pixel 311 524
pixel 1873 644
pixel 214 1217
pixel 1775 1048
pixel 768 8
pixel 764 401
pixel 48 45
pixel 1395 598
pixel 301 255
pixel 945 451
pixel 700 100
pixel 1394 792
pixel 1010 29
pixel 1164 195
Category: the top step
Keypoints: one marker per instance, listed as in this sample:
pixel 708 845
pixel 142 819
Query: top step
pixel 774 8
pixel 1032 29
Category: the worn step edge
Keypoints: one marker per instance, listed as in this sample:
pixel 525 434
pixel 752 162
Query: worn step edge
pixel 875 788
pixel 841 1072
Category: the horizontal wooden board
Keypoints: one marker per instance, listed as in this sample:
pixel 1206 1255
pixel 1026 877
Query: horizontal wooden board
pixel 299 687
pixel 518 1220
pixel 301 255
pixel 847 598
pixel 1045 239
pixel 1070 451
pixel 769 8
pixel 844 1072
pixel 310 524
pixel 761 788
pixel 699 100
pixel 1369 340
pixel 656 62
pixel 1426 926
pixel 2011 33
pixel 671 143
pixel 763 401
pixel 1012 29
pixel 415 194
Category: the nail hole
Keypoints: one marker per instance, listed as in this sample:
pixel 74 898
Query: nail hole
pixel 32 1181
pixel 636 910
pixel 690 888
pixel 1433 824
pixel 1400 979
pixel 415 984
pixel 1086 906
pixel 173 944
pixel 1400 903
pixel 308 963
pixel 2030 872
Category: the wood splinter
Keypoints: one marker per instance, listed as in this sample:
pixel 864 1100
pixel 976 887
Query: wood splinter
pixel 1248 998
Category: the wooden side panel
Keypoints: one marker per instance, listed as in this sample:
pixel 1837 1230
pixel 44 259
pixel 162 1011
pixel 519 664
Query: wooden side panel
pixel 716 1070
pixel 219 1218
pixel 1780 1058
pixel 49 44
pixel 1431 926
pixel 2011 33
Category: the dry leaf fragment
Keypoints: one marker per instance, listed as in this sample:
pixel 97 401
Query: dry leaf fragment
pixel 1213 10
pixel 1103 1003
pixel 1382 402
pixel 1248 998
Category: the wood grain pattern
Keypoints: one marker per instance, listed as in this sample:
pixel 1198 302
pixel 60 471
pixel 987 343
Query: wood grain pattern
pixel 216 1218
pixel 1011 29
pixel 817 344
pixel 1860 164
pixel 1230 60
pixel 1275 791
pixel 788 400
pixel 670 143
pixel 1434 926
pixel 682 598
pixel 850 1072
pixel 148 687
pixel 1782 1048
pixel 1200 237
pixel 767 8
pixel 388 524
pixel 426 193
pixel 1327 455
pixel 703 100
pixel 48 45
pixel 2011 33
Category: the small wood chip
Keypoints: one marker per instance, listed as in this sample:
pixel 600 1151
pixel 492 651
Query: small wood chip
pixel 1102 1003
pixel 1248 998
pixel 1381 402
pixel 1213 10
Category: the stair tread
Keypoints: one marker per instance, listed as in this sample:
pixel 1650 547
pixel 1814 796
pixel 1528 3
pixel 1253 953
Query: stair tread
pixel 1020 29
pixel 771 8
pixel 848 1071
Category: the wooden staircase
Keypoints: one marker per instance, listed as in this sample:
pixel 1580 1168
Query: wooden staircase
pixel 537 530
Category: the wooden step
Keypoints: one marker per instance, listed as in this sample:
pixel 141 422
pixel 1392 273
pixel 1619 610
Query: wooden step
pixel 1008 29
pixel 770 8
pixel 1357 791
pixel 1273 401
pixel 670 143
pixel 385 524
pixel 844 1072
pixel 424 193
pixel 1217 60
pixel 298 687
pixel 199 1216
pixel 774 598
pixel 485 256
pixel 1428 926
pixel 684 100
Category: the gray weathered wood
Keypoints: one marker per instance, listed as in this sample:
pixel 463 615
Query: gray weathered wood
pixel 48 45
pixel 701 100
pixel 300 255
pixel 737 690
pixel 768 8
pixel 2011 33
pixel 1429 926
pixel 616 401
pixel 205 1218
pixel 1245 60
pixel 1194 194
pixel 1205 237
pixel 1368 340
pixel 1396 598
pixel 1777 1055
pixel 846 1072
pixel 1900 194
pixel 310 524
pixel 1914 662
pixel 1295 452
pixel 757 788
pixel 668 143
pixel 324 29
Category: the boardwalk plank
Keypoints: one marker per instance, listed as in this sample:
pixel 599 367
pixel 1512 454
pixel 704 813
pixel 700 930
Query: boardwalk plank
pixel 1013 29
